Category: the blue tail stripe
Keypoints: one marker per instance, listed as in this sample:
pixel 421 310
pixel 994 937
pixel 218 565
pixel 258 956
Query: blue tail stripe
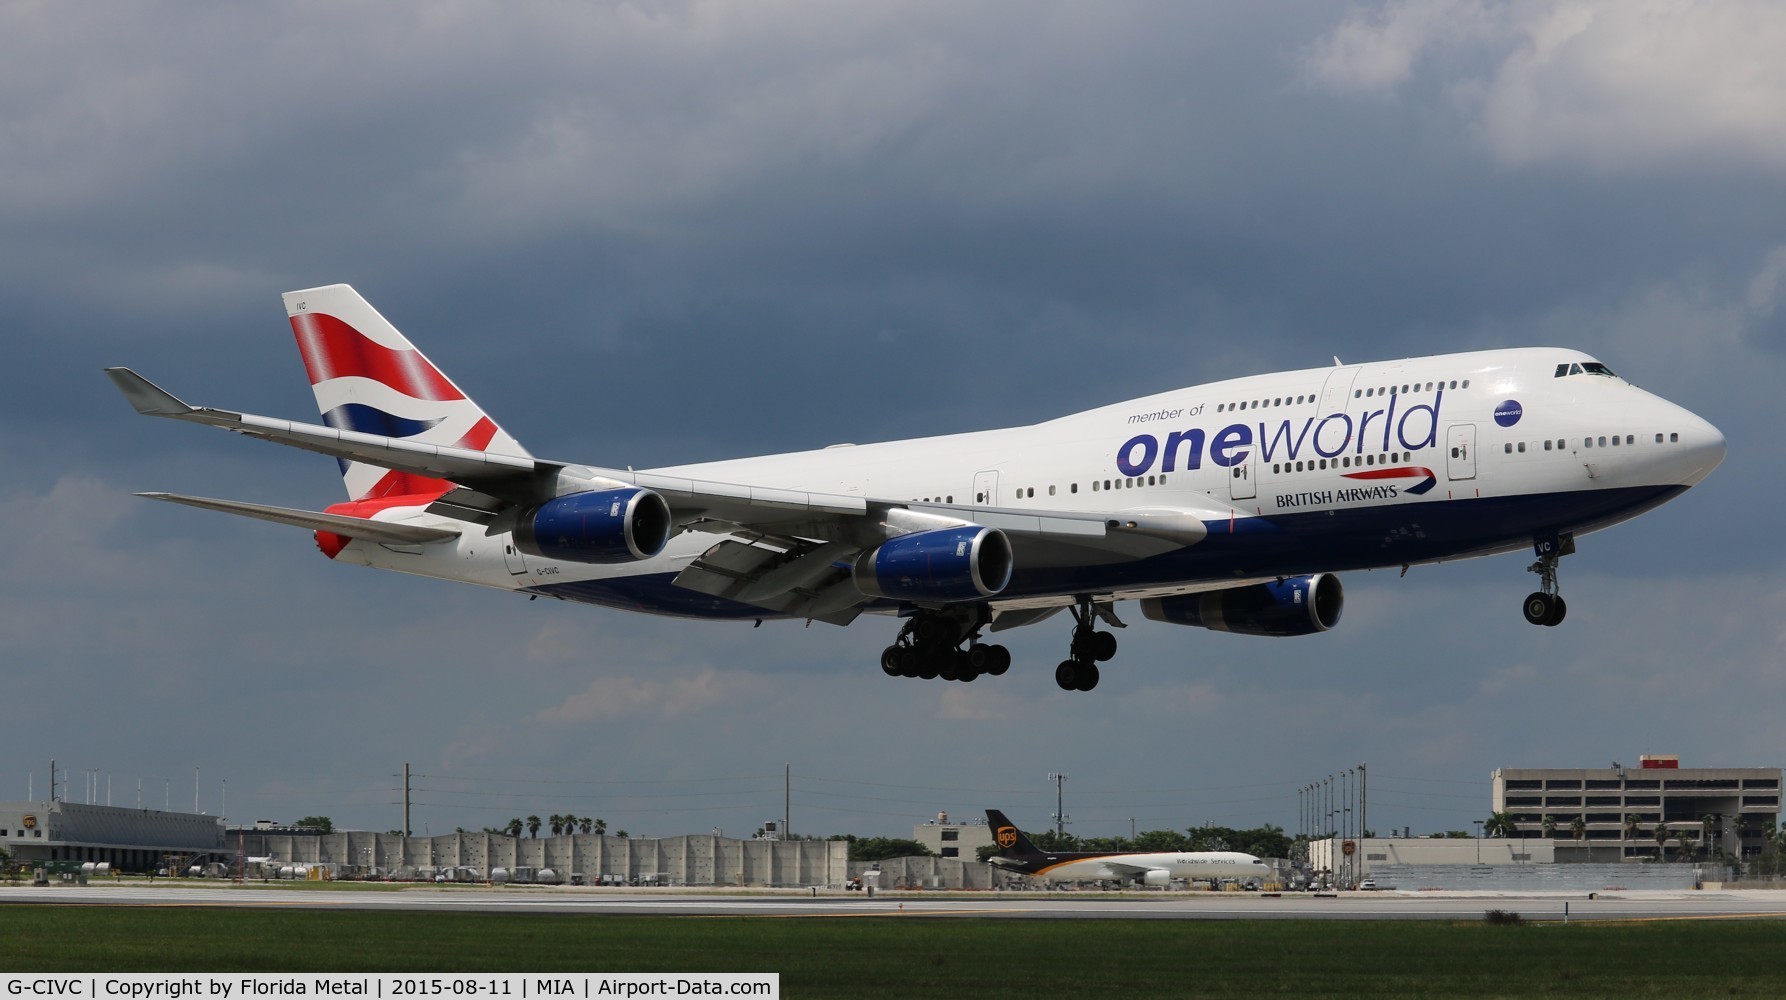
pixel 372 420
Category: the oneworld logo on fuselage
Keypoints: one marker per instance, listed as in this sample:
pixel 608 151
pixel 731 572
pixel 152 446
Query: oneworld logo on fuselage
pixel 1412 428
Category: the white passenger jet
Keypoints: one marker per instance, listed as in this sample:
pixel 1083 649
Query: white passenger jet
pixel 1158 868
pixel 1224 506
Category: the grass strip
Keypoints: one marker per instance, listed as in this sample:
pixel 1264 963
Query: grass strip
pixel 911 957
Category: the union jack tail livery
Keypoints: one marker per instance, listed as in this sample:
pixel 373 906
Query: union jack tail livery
pixel 369 378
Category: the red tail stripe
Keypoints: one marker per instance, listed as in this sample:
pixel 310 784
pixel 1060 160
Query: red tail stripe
pixel 333 349
pixel 404 484
pixel 478 438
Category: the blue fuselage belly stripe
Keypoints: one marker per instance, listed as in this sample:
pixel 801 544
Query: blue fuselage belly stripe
pixel 1277 545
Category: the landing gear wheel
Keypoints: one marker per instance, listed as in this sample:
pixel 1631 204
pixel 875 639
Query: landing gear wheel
pixel 929 667
pixel 1001 660
pixel 1067 675
pixel 1103 646
pixel 1087 676
pixel 1539 608
pixel 890 661
pixel 908 661
pixel 1546 605
pixel 979 657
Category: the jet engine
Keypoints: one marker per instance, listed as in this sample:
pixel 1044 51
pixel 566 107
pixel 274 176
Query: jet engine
pixel 599 526
pixel 1156 877
pixel 947 564
pixel 1299 605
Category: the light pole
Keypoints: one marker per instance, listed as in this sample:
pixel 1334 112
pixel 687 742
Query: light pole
pixel 1060 814
pixel 1478 841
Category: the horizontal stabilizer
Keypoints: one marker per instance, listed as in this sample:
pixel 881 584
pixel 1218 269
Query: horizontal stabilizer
pixel 352 527
pixel 148 398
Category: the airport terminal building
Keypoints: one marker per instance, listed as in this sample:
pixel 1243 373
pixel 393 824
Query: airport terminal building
pixel 127 839
pixel 1618 810
pixel 953 840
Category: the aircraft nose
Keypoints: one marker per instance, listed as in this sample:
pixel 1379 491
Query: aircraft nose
pixel 1703 446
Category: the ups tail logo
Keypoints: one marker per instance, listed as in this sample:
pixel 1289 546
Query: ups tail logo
pixel 1007 836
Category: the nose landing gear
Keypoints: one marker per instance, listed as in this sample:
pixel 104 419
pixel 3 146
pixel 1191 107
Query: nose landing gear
pixel 1545 606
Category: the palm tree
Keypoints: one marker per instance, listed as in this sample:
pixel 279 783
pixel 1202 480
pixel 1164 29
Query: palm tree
pixel 601 827
pixel 1549 826
pixel 556 822
pixel 1632 828
pixel 533 827
pixel 1499 824
pixel 1578 828
pixel 1686 839
pixel 586 823
pixel 514 827
pixel 1708 825
pixel 1661 835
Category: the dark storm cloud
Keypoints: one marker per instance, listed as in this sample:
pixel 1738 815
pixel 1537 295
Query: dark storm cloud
pixel 649 234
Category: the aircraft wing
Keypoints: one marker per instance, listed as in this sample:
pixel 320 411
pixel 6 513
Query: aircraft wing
pixel 359 527
pixel 457 464
pixel 799 542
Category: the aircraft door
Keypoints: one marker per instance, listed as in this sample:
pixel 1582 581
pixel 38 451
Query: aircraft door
pixel 986 488
pixel 1460 451
pixel 1338 389
pixel 1240 481
pixel 512 558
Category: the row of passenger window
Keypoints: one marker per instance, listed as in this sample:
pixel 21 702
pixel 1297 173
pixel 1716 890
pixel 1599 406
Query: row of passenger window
pixel 1415 387
pixel 1344 462
pixel 1603 441
pixel 1097 485
pixel 1382 390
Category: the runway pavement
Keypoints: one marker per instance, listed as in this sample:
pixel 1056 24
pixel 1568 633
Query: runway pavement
pixel 783 904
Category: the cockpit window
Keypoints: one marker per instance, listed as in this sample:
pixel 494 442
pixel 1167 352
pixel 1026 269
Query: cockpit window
pixel 1584 368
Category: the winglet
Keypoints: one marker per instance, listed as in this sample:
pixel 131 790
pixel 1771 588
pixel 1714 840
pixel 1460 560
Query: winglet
pixel 148 398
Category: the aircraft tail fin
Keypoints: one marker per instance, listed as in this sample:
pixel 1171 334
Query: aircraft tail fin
pixel 1010 840
pixel 368 377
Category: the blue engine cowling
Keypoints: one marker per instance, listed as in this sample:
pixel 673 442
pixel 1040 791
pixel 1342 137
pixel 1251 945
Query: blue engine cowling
pixel 1300 605
pixel 948 564
pixel 600 526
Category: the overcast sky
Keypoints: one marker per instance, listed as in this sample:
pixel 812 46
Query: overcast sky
pixel 656 233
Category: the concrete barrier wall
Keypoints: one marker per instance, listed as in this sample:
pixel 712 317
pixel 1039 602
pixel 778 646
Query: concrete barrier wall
pixel 689 860
pixel 1535 878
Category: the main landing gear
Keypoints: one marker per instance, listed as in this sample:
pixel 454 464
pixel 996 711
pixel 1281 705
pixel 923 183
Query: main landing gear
pixel 1545 606
pixel 1079 671
pixel 930 646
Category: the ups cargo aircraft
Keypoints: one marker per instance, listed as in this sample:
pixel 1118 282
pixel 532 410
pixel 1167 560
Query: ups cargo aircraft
pixel 1159 868
pixel 1225 506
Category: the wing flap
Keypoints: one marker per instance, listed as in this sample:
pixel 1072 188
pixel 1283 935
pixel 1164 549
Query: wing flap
pixel 802 582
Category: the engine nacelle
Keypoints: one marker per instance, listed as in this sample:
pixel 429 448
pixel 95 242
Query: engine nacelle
pixel 1301 605
pixel 947 564
pixel 599 526
pixel 1157 877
